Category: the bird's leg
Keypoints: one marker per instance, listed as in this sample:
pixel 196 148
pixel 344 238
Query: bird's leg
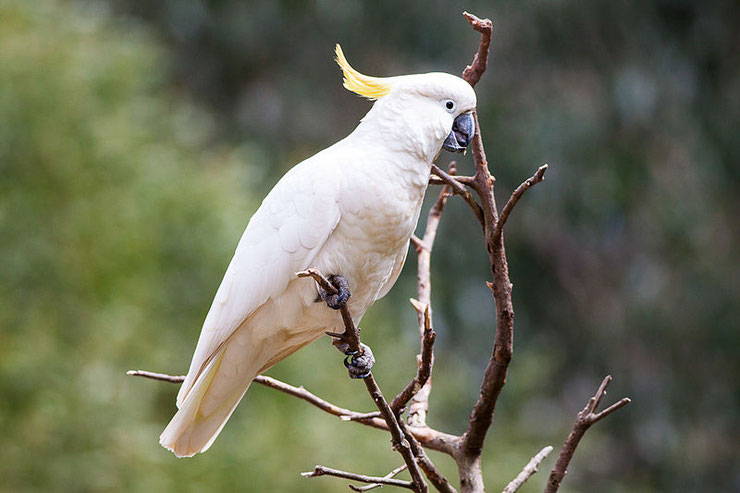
pixel 358 361
pixel 339 299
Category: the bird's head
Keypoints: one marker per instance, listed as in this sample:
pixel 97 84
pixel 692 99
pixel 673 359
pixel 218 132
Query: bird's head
pixel 424 112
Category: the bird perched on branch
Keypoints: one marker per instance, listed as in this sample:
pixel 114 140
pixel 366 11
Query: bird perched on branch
pixel 349 211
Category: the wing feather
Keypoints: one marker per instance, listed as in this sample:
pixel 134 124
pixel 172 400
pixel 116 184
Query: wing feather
pixel 282 237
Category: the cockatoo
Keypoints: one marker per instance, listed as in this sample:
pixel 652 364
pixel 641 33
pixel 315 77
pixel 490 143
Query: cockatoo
pixel 348 211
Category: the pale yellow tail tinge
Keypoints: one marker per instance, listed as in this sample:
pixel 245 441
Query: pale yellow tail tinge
pixel 206 409
pixel 207 405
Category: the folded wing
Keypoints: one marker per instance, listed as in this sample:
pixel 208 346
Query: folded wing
pixel 283 237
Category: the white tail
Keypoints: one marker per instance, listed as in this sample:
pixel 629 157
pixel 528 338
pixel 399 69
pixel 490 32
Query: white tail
pixel 207 406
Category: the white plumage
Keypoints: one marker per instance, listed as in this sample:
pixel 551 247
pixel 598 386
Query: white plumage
pixel 348 210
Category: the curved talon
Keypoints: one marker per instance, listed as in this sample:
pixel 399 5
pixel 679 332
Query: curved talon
pixel 360 364
pixel 343 347
pixel 336 301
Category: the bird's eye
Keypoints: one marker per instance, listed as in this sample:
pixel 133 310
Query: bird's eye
pixel 450 105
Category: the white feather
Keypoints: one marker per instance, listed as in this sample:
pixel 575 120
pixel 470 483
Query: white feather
pixel 276 243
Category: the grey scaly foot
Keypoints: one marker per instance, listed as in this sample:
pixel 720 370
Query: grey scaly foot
pixel 359 363
pixel 336 301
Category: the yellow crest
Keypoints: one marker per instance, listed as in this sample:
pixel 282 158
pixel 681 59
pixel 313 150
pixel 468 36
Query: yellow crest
pixel 364 85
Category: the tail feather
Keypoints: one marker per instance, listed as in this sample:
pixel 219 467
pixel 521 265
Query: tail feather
pixel 208 405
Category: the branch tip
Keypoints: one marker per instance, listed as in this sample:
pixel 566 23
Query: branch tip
pixel 585 418
pixel 533 180
pixel 529 470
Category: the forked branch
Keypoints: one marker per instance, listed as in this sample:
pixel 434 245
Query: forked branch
pixel 585 419
pixel 378 485
pixel 516 195
pixel 328 471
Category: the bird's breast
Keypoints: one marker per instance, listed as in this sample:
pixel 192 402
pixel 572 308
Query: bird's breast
pixel 377 218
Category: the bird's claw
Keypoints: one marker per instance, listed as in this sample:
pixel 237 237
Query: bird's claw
pixel 359 363
pixel 338 300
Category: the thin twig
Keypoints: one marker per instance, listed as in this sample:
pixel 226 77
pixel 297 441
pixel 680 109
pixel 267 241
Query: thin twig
pixel 516 195
pixel 416 242
pixel 162 377
pixel 424 368
pixel 317 276
pixel 428 437
pixel 372 486
pixel 585 419
pixel 300 392
pixel 400 443
pixel 529 470
pixel 328 471
pixel 461 179
pixel 459 189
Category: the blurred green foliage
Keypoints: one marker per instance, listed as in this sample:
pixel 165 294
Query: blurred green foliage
pixel 137 137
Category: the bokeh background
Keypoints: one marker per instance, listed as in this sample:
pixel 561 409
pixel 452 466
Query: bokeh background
pixel 137 137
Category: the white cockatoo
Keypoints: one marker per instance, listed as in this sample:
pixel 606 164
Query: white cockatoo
pixel 348 211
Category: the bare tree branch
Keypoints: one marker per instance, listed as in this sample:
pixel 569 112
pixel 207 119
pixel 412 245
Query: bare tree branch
pixel 378 485
pixel 398 439
pixel 459 189
pixel 327 471
pixel 319 278
pixel 474 71
pixel 428 437
pixel 439 482
pixel 529 183
pixel 585 419
pixel 461 179
pixel 420 396
pixel 495 374
pixel 529 470
pixel 299 392
pixel 162 377
pixel 352 337
pixel 416 242
pixel 468 454
pixel 424 369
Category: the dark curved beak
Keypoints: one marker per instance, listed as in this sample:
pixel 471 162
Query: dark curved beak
pixel 462 132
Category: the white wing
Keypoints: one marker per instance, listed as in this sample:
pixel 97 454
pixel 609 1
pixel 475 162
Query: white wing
pixel 283 237
pixel 397 266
